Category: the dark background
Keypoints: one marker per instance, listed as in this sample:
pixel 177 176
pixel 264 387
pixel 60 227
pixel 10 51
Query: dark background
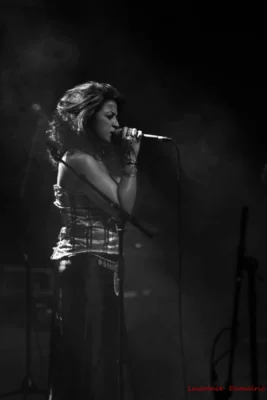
pixel 204 89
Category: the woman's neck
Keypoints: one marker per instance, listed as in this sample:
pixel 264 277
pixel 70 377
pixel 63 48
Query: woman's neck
pixel 93 145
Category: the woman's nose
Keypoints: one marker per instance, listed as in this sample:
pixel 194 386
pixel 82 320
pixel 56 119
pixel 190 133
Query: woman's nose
pixel 115 123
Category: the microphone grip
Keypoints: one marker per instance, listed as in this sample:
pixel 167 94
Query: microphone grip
pixel 146 135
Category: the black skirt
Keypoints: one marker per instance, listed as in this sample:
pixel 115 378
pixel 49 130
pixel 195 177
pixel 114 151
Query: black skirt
pixel 84 334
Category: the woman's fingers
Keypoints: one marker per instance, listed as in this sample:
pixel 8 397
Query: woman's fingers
pixel 131 133
pixel 139 135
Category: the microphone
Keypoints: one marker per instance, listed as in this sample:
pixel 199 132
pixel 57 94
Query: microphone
pixel 145 135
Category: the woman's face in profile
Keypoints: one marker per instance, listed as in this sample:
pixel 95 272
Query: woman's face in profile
pixel 105 121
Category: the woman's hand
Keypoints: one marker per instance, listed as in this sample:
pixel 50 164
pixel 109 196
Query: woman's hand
pixel 133 137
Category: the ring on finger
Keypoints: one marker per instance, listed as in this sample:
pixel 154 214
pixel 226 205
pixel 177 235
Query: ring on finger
pixel 133 132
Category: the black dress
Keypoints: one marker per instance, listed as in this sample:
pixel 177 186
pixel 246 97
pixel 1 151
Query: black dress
pixel 84 334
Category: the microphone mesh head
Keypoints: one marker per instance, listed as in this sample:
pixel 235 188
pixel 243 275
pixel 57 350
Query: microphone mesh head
pixel 118 131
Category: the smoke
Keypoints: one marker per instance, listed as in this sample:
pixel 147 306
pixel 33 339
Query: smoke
pixel 34 56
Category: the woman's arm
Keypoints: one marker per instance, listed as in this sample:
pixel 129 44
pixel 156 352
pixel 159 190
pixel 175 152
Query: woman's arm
pixel 127 187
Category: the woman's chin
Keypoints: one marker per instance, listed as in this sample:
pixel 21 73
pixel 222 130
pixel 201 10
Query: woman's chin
pixel 108 139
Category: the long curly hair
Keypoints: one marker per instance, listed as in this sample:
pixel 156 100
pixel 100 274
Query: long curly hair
pixel 77 106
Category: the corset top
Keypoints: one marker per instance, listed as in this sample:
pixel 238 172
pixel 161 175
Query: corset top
pixel 85 227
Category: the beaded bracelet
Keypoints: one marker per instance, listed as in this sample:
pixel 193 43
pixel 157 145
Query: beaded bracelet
pixel 130 155
pixel 131 162
pixel 130 174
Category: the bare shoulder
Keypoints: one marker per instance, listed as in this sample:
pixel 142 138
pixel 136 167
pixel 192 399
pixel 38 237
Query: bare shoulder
pixel 80 160
pixel 82 163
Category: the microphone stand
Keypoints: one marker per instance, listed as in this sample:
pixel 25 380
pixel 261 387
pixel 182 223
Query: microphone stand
pixel 123 217
pixel 249 265
pixel 28 386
